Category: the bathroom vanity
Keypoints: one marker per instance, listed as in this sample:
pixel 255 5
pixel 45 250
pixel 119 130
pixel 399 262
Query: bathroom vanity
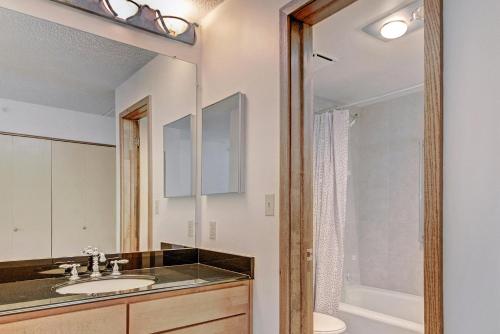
pixel 188 298
pixel 216 308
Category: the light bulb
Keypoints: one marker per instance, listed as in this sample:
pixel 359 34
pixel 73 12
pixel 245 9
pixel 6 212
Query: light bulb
pixel 394 29
pixel 175 25
pixel 124 9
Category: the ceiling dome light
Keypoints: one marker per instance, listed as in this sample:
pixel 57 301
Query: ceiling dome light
pixel 174 25
pixel 394 29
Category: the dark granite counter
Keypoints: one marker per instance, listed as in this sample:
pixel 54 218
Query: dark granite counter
pixel 38 294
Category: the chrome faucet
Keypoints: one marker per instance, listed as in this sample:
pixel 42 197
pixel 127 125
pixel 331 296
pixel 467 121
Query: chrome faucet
pixel 94 258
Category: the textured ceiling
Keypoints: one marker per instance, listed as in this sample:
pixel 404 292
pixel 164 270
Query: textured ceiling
pixel 203 7
pixel 366 66
pixel 49 64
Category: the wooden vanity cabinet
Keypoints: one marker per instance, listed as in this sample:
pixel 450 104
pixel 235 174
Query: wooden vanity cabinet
pixel 216 309
pixel 109 320
pixel 162 315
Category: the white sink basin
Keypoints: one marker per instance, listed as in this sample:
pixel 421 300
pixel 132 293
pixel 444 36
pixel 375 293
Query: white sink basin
pixel 105 285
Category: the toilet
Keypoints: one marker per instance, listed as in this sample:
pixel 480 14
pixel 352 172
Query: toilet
pixel 326 324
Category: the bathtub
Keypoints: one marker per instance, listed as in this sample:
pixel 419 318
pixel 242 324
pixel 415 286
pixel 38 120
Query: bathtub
pixel 368 310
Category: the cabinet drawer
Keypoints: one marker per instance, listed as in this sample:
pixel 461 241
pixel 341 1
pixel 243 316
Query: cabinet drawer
pixel 108 320
pixel 233 325
pixel 181 311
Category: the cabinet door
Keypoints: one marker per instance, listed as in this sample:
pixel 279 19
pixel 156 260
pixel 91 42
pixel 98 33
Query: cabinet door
pixel 6 201
pixel 83 192
pixel 105 320
pixel 25 198
pixel 233 325
pixel 176 312
pixel 100 189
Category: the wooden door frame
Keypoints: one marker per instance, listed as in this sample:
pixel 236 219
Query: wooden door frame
pixel 138 110
pixel 296 117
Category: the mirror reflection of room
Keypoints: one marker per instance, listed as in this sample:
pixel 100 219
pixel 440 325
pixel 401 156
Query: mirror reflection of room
pixel 368 134
pixel 62 97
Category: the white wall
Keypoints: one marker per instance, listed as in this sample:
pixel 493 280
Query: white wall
pixel 471 166
pixel 172 86
pixel 38 120
pixel 240 52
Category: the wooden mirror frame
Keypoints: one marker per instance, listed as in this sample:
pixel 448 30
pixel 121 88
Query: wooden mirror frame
pixel 296 136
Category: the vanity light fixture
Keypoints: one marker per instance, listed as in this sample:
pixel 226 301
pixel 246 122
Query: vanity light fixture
pixel 145 18
pixel 394 29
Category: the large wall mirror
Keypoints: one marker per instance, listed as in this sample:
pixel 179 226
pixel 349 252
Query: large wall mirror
pixel 82 143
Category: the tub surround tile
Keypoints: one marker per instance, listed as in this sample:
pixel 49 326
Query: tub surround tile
pixel 384 157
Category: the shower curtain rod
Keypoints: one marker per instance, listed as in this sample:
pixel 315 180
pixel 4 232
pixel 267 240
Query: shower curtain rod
pixel 374 98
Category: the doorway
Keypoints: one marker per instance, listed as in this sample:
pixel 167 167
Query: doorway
pixel 296 171
pixel 136 210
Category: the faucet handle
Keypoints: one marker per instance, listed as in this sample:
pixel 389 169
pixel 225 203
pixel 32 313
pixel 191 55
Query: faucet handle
pixel 74 270
pixel 65 266
pixel 116 268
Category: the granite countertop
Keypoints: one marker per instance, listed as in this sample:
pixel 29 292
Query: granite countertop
pixel 38 294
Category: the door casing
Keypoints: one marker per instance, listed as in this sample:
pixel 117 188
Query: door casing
pixel 130 200
pixel 296 114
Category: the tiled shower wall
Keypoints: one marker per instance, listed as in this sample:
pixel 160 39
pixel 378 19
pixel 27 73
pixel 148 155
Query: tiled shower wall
pixel 382 229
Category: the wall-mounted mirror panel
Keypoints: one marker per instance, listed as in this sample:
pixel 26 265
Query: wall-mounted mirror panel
pixel 223 146
pixel 179 147
pixel 81 143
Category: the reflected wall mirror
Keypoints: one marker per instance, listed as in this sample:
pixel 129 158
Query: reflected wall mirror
pixel 179 149
pixel 223 146
pixel 82 143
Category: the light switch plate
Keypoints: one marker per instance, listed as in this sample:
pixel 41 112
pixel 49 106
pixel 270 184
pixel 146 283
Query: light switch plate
pixel 269 205
pixel 213 230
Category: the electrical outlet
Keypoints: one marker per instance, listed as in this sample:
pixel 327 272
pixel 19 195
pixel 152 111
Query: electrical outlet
pixel 269 205
pixel 213 230
pixel 190 229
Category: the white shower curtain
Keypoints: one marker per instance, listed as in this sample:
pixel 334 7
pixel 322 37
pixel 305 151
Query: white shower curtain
pixel 331 134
